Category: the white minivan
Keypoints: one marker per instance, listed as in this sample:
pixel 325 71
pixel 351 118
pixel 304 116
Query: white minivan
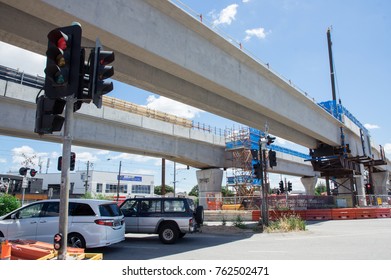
pixel 91 222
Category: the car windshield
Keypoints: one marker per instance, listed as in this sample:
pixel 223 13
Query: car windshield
pixel 109 210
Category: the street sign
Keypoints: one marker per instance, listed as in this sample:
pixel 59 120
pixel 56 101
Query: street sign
pixel 25 183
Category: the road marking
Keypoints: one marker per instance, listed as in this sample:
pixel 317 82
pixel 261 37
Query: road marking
pixel 267 251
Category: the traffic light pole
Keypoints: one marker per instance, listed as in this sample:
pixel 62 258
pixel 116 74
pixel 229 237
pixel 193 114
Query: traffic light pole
pixel 65 182
pixel 264 206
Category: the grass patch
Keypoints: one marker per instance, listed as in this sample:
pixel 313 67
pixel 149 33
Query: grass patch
pixel 286 223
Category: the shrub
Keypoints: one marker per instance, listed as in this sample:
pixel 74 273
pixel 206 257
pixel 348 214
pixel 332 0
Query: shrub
pixel 239 222
pixel 8 203
pixel 287 223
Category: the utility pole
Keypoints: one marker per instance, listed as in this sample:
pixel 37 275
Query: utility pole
pixel 86 181
pixel 119 179
pixel 47 165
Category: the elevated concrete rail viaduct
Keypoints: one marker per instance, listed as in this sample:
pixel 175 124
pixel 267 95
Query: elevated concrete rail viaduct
pixel 162 49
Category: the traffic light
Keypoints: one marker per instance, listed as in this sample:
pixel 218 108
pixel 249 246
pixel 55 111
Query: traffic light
pixel 289 186
pixel 84 94
pixel 281 186
pixel 23 171
pixel 270 140
pixel 369 189
pixel 48 115
pixel 257 170
pixel 59 163
pixel 63 61
pixel 33 172
pixel 73 161
pixel 98 72
pixel 272 158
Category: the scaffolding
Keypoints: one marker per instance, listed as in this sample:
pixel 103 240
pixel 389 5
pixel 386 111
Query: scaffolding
pixel 243 144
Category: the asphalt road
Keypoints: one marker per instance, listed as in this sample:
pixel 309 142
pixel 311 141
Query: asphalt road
pixel 366 239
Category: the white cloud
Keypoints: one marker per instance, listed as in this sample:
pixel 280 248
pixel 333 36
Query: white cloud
pixel 255 32
pixel 387 148
pixel 371 126
pixel 226 15
pixel 23 60
pixel 172 107
pixel 245 1
pixel 86 156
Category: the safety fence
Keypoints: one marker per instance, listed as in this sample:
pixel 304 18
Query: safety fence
pixel 328 214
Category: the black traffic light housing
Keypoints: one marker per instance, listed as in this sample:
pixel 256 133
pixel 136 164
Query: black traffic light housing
pixel 270 140
pixel 257 170
pixel 369 189
pixel 33 172
pixel 99 71
pixel 289 186
pixel 281 186
pixel 272 158
pixel 23 171
pixel 63 61
pixel 72 165
pixel 48 115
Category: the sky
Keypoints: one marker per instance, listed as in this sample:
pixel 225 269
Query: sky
pixel 290 36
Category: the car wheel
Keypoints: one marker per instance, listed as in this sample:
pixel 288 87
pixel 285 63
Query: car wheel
pixel 199 215
pixel 75 240
pixel 168 233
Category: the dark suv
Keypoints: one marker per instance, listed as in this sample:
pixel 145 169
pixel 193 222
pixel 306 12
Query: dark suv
pixel 170 217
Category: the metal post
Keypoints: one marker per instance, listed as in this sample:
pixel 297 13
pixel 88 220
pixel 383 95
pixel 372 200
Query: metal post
pixel 265 212
pixel 86 181
pixel 286 193
pixel 65 183
pixel 119 179
pixel 163 190
pixel 174 177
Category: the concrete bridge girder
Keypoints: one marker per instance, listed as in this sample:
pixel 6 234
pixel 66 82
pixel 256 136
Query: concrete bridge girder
pixel 175 51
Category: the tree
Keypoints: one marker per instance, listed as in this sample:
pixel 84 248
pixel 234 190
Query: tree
pixel 158 190
pixel 8 203
pixel 320 188
pixel 194 191
pixel 226 192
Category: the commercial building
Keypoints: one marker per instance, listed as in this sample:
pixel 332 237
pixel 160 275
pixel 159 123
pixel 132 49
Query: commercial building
pixel 97 183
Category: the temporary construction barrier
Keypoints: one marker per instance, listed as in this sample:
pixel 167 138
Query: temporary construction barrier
pixel 328 214
pixel 36 250
pixel 343 213
pixel 5 250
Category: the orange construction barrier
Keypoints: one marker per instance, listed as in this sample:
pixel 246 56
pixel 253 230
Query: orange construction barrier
pixel 365 213
pixel 5 250
pixel 256 215
pixel 343 213
pixel 383 213
pixel 319 214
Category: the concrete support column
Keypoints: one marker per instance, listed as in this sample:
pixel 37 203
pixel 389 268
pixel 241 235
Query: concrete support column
pixel 379 180
pixel 309 184
pixel 360 186
pixel 209 181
